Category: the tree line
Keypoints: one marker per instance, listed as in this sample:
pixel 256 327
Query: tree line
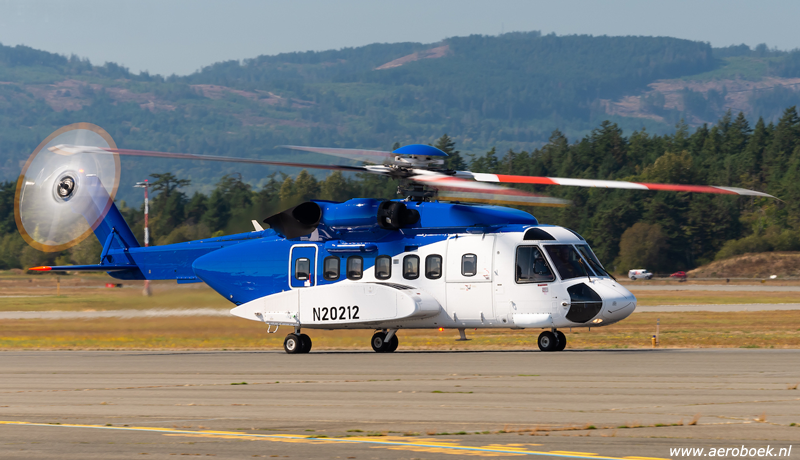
pixel 662 231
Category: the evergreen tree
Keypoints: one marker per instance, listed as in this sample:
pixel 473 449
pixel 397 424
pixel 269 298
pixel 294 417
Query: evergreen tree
pixel 447 145
pixel 305 187
pixel 196 207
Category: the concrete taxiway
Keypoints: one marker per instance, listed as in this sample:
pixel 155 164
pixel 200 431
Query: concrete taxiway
pixel 633 286
pixel 572 404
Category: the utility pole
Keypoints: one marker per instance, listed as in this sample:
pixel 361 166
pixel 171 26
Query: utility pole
pixel 145 185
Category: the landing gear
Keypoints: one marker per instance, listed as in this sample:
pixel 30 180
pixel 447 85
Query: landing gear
pixel 380 343
pixel 306 340
pixel 562 341
pixel 548 341
pixel 297 343
pixel 552 341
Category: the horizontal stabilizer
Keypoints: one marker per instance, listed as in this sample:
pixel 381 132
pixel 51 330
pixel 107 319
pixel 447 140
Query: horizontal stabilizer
pixel 83 268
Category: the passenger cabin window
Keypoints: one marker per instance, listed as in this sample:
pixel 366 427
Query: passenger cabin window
pixel 532 266
pixel 433 267
pixel 567 261
pixel 469 264
pixel 410 267
pixel 383 267
pixel 355 267
pixel 330 268
pixel 302 269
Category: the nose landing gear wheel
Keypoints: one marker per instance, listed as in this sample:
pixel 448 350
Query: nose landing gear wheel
pixel 548 341
pixel 562 341
pixel 380 345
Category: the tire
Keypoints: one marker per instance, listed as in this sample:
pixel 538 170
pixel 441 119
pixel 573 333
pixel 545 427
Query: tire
pixel 392 345
pixel 292 344
pixel 562 341
pixel 306 341
pixel 378 343
pixel 547 341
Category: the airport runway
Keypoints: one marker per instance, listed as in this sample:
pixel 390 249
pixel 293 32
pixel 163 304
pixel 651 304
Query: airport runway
pixel 633 286
pixel 572 404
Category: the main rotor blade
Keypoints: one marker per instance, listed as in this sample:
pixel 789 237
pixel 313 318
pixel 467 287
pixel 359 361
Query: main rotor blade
pixel 372 156
pixel 63 149
pixel 539 180
pixel 465 190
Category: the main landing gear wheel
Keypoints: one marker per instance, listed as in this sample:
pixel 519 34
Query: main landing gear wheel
pixel 297 343
pixel 548 341
pixel 380 345
pixel 393 344
pixel 562 341
pixel 306 341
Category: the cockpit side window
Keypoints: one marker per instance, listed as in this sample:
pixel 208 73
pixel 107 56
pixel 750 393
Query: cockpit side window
pixel 567 261
pixel 591 259
pixel 532 266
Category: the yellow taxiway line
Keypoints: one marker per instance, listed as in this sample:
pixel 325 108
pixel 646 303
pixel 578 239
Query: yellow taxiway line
pixel 390 442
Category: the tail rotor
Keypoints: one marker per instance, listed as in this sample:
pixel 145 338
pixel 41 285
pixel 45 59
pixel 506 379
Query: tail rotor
pixel 62 197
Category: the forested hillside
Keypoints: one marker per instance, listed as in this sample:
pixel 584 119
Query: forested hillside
pixel 663 231
pixel 509 91
pixel 573 106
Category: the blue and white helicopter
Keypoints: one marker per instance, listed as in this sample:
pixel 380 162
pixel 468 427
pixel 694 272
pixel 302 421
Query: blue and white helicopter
pixel 385 265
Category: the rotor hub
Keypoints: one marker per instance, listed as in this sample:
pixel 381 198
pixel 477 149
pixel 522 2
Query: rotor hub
pixel 65 187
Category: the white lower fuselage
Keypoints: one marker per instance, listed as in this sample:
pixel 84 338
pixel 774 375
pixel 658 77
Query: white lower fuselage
pixel 488 293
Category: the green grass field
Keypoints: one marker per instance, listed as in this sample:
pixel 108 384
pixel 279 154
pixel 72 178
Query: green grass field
pixel 772 329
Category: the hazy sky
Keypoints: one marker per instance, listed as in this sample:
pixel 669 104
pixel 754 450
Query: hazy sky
pixel 180 36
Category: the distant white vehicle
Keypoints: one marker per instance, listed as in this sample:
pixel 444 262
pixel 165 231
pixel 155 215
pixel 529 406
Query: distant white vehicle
pixel 640 273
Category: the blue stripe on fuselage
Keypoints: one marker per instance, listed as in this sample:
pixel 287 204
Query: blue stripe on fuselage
pixel 255 269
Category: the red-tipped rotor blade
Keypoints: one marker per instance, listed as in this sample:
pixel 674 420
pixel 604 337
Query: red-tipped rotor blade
pixel 73 149
pixel 539 180
pixel 465 190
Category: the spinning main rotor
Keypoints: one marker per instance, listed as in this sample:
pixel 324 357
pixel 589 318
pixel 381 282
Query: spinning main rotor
pixel 422 166
pixel 74 173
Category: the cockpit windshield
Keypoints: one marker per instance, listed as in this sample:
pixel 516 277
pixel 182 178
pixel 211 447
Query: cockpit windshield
pixel 567 260
pixel 591 259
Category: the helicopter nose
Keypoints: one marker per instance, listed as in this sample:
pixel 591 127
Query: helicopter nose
pixel 618 302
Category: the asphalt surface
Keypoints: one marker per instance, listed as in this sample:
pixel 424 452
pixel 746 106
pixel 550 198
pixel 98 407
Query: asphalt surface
pixel 571 404
pixel 766 287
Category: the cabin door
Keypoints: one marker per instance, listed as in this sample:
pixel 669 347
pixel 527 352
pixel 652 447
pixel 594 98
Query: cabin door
pixel 468 274
pixel 303 266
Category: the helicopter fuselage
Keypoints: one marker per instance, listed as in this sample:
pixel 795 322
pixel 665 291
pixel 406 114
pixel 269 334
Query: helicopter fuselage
pixel 458 266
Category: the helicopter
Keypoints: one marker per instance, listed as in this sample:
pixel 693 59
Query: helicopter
pixel 443 255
